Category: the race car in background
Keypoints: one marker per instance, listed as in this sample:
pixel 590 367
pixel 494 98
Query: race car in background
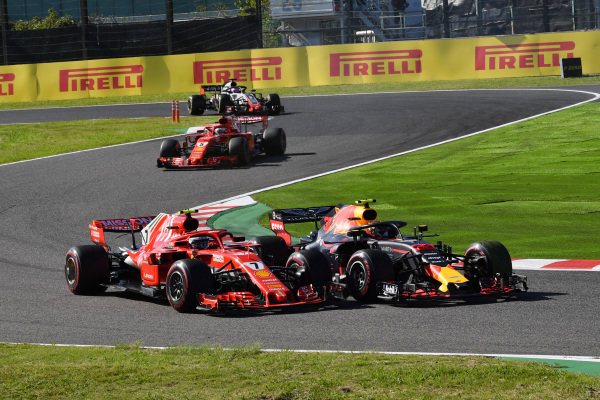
pixel 190 267
pixel 372 259
pixel 231 98
pixel 227 142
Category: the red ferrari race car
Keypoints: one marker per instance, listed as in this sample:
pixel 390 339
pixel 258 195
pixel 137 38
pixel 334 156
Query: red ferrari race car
pixel 372 259
pixel 192 268
pixel 227 142
pixel 231 98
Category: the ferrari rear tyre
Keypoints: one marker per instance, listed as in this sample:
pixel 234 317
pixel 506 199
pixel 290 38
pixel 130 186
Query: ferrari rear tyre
pixel 274 141
pixel 238 146
pixel 169 148
pixel 273 250
pixel 273 104
pixel 486 259
pixel 366 268
pixel 311 267
pixel 196 104
pixel 86 268
pixel 222 100
pixel 185 279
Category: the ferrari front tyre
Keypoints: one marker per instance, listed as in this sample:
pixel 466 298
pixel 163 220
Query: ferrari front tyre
pixel 86 268
pixel 273 250
pixel 238 146
pixel 366 268
pixel 196 104
pixel 273 104
pixel 185 279
pixel 486 259
pixel 311 267
pixel 169 148
pixel 274 141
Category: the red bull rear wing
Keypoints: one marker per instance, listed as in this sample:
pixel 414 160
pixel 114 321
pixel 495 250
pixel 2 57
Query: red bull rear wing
pixel 278 218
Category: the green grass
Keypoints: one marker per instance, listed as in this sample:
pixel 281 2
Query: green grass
pixel 534 186
pixel 311 90
pixel 26 141
pixel 131 372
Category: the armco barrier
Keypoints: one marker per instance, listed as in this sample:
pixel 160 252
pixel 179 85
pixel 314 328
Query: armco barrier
pixel 425 60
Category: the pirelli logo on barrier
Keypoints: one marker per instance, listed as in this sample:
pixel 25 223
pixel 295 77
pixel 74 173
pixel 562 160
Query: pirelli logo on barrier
pixel 522 56
pixel 241 69
pixel 7 86
pixel 101 78
pixel 389 62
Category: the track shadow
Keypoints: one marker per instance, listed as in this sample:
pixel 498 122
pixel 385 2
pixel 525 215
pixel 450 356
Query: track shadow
pixel 479 300
pixel 259 161
pixel 269 161
pixel 329 305
pixel 334 305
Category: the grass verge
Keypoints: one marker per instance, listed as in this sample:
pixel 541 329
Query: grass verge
pixel 533 186
pixel 132 372
pixel 26 141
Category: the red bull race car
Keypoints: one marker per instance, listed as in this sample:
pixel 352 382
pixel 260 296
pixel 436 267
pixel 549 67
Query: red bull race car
pixel 372 259
pixel 231 98
pixel 191 267
pixel 228 142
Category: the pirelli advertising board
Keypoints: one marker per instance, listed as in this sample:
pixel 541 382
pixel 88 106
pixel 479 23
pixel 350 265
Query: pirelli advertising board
pixel 443 59
pixel 453 59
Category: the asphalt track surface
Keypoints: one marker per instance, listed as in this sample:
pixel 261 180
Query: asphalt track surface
pixel 46 204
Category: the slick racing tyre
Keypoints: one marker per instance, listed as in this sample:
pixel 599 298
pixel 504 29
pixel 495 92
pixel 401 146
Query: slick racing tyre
pixel 486 259
pixel 238 146
pixel 366 268
pixel 273 104
pixel 222 101
pixel 273 250
pixel 196 104
pixel 185 279
pixel 311 267
pixel 169 148
pixel 274 141
pixel 86 268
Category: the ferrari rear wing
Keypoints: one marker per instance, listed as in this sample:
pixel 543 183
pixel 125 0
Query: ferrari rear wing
pixel 278 218
pixel 99 227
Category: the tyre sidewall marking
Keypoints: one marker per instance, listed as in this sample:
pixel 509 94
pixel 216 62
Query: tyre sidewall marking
pixel 184 275
pixel 367 270
pixel 73 255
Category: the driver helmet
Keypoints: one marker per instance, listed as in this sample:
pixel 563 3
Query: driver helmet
pixel 235 90
pixel 379 232
pixel 199 243
pixel 220 131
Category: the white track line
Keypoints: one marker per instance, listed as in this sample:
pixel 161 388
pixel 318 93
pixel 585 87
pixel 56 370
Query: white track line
pixel 393 353
pixel 596 96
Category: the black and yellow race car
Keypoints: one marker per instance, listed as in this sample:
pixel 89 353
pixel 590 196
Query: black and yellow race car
pixel 371 259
